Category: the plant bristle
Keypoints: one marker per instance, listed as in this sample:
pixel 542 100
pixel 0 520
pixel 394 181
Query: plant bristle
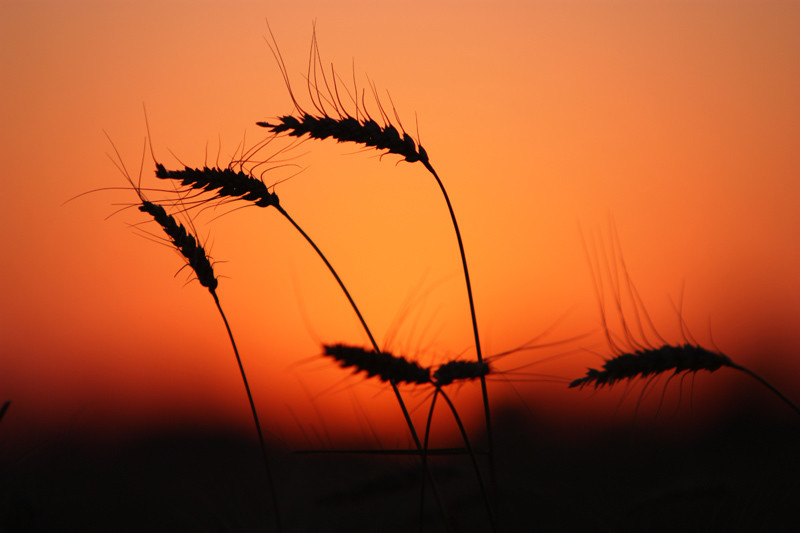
pixel 185 242
pixel 644 363
pixel 384 366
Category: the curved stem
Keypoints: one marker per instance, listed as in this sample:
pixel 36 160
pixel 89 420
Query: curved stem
pixel 425 453
pixel 478 351
pixel 335 275
pixel 272 492
pixel 767 385
pixel 471 456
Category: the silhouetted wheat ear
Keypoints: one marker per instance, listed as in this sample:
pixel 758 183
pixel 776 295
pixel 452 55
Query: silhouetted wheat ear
pixel 349 129
pixel 185 242
pixel 384 366
pixel 223 182
pixel 643 363
pixel 460 371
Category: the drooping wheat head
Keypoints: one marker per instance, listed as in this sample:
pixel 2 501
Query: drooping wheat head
pixel 184 242
pixel 684 358
pixel 331 118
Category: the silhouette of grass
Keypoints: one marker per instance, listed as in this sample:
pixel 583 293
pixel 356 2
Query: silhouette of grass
pixel 459 371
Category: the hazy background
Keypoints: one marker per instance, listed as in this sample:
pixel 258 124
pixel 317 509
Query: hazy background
pixel 680 119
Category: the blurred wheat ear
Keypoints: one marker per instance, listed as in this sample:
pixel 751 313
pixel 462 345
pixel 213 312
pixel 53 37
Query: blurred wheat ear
pixel 383 365
pixel 640 357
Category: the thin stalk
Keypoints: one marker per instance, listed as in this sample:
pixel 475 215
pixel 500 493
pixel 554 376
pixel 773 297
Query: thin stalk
pixel 335 275
pixel 271 483
pixel 457 418
pixel 767 385
pixel 478 351
pixel 425 452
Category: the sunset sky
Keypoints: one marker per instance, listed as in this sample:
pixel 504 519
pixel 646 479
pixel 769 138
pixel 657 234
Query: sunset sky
pixel 544 120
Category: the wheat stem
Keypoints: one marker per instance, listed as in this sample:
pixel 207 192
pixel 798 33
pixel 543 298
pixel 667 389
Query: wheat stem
pixel 478 351
pixel 767 385
pixel 470 451
pixel 333 272
pixel 270 480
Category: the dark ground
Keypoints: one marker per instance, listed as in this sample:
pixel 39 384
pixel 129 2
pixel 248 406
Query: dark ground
pixel 740 475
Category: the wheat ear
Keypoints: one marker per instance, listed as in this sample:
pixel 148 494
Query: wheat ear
pixel 332 119
pixel 642 359
pixel 680 359
pixel 197 258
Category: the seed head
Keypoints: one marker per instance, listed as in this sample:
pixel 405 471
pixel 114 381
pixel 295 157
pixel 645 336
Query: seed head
pixel 383 365
pixel 644 363
pixel 185 242
pixel 349 129
pixel 224 182
pixel 460 370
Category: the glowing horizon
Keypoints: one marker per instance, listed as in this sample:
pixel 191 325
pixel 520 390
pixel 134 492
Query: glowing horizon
pixel 677 120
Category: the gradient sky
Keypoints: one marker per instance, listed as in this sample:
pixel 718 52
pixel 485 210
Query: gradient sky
pixel 679 119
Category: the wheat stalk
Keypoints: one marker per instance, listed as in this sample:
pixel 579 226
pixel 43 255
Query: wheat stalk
pixel 223 182
pixel 331 119
pixel 198 260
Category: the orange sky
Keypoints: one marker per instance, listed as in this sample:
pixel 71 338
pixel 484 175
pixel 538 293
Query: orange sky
pixel 680 119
